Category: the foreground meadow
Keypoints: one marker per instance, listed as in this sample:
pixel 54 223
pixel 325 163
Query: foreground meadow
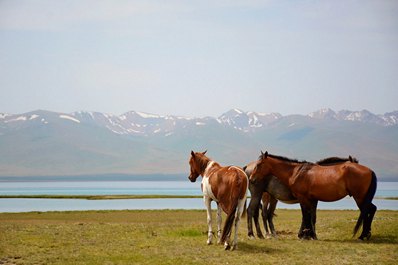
pixel 179 237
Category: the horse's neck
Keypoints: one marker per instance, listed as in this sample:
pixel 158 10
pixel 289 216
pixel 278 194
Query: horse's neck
pixel 283 170
pixel 210 165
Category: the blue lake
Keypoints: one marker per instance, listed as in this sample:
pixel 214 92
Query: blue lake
pixel 181 186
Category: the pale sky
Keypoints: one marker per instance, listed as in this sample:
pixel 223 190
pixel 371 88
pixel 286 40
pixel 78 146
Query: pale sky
pixel 198 58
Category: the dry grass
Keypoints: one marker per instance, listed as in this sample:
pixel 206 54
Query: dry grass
pixel 179 237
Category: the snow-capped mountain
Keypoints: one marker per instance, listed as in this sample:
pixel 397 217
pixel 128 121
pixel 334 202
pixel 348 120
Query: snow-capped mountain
pixel 145 124
pixel 247 121
pixel 387 119
pixel 52 143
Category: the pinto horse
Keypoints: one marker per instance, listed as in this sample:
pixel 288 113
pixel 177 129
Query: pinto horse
pixel 226 186
pixel 311 183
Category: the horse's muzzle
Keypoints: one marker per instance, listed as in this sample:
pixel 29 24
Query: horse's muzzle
pixel 252 181
pixel 192 179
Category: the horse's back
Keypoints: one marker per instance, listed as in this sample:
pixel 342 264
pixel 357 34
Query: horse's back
pixel 229 184
pixel 334 182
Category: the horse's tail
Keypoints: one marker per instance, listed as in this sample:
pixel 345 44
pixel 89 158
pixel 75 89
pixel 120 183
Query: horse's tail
pixel 365 204
pixel 228 223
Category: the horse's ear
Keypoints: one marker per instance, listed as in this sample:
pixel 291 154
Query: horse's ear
pixel 192 154
pixel 204 152
pixel 350 158
pixel 266 154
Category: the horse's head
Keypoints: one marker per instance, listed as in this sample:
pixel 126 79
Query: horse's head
pixel 261 169
pixel 195 163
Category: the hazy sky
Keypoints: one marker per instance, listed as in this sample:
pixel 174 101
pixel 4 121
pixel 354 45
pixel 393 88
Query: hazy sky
pixel 198 58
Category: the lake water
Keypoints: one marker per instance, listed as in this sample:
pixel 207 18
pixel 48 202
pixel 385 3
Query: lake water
pixel 134 186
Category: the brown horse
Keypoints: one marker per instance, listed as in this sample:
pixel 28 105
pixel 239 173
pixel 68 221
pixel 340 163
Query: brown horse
pixel 226 186
pixel 311 183
pixel 270 189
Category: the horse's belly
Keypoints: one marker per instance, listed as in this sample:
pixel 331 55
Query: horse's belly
pixel 328 191
pixel 290 202
pixel 329 195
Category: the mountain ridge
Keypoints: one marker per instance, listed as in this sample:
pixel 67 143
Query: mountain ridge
pixel 54 143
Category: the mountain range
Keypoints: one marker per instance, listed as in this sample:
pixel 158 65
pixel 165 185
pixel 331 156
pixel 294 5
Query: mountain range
pixel 47 143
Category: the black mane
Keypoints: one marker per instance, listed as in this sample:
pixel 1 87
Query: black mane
pixel 287 159
pixel 336 160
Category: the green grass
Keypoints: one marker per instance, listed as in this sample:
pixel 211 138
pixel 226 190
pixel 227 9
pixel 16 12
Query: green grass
pixel 179 237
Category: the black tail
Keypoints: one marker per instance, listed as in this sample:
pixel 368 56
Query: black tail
pixel 228 224
pixel 366 203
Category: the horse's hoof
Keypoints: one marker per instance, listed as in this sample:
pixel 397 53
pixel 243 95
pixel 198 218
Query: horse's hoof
pixel 227 247
pixel 367 237
pixel 261 236
pixel 234 247
pixel 209 243
pixel 251 237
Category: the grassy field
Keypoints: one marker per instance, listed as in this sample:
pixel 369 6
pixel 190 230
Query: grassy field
pixel 179 237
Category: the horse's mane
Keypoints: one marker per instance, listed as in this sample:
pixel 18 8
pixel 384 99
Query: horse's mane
pixel 202 161
pixel 336 160
pixel 287 159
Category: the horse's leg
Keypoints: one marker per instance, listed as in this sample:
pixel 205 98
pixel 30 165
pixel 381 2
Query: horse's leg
pixel 265 212
pixel 370 211
pixel 271 210
pixel 300 233
pixel 373 210
pixel 252 212
pixel 306 221
pixel 314 205
pixel 219 221
pixel 210 230
pixel 257 222
pixel 239 211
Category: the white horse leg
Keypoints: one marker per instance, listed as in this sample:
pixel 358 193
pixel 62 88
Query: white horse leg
pixel 241 205
pixel 210 230
pixel 219 221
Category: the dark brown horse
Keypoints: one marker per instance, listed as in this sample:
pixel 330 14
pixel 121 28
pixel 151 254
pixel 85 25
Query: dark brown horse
pixel 268 190
pixel 311 183
pixel 227 186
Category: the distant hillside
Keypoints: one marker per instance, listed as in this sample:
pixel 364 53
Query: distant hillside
pixel 49 143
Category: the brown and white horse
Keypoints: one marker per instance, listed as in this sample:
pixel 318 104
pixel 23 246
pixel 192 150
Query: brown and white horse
pixel 226 186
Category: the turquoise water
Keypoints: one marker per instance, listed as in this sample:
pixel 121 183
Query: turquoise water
pixel 176 186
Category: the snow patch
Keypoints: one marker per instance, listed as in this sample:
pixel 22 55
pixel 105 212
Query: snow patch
pixel 238 111
pixel 20 118
pixel 147 115
pixel 3 115
pixel 66 117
